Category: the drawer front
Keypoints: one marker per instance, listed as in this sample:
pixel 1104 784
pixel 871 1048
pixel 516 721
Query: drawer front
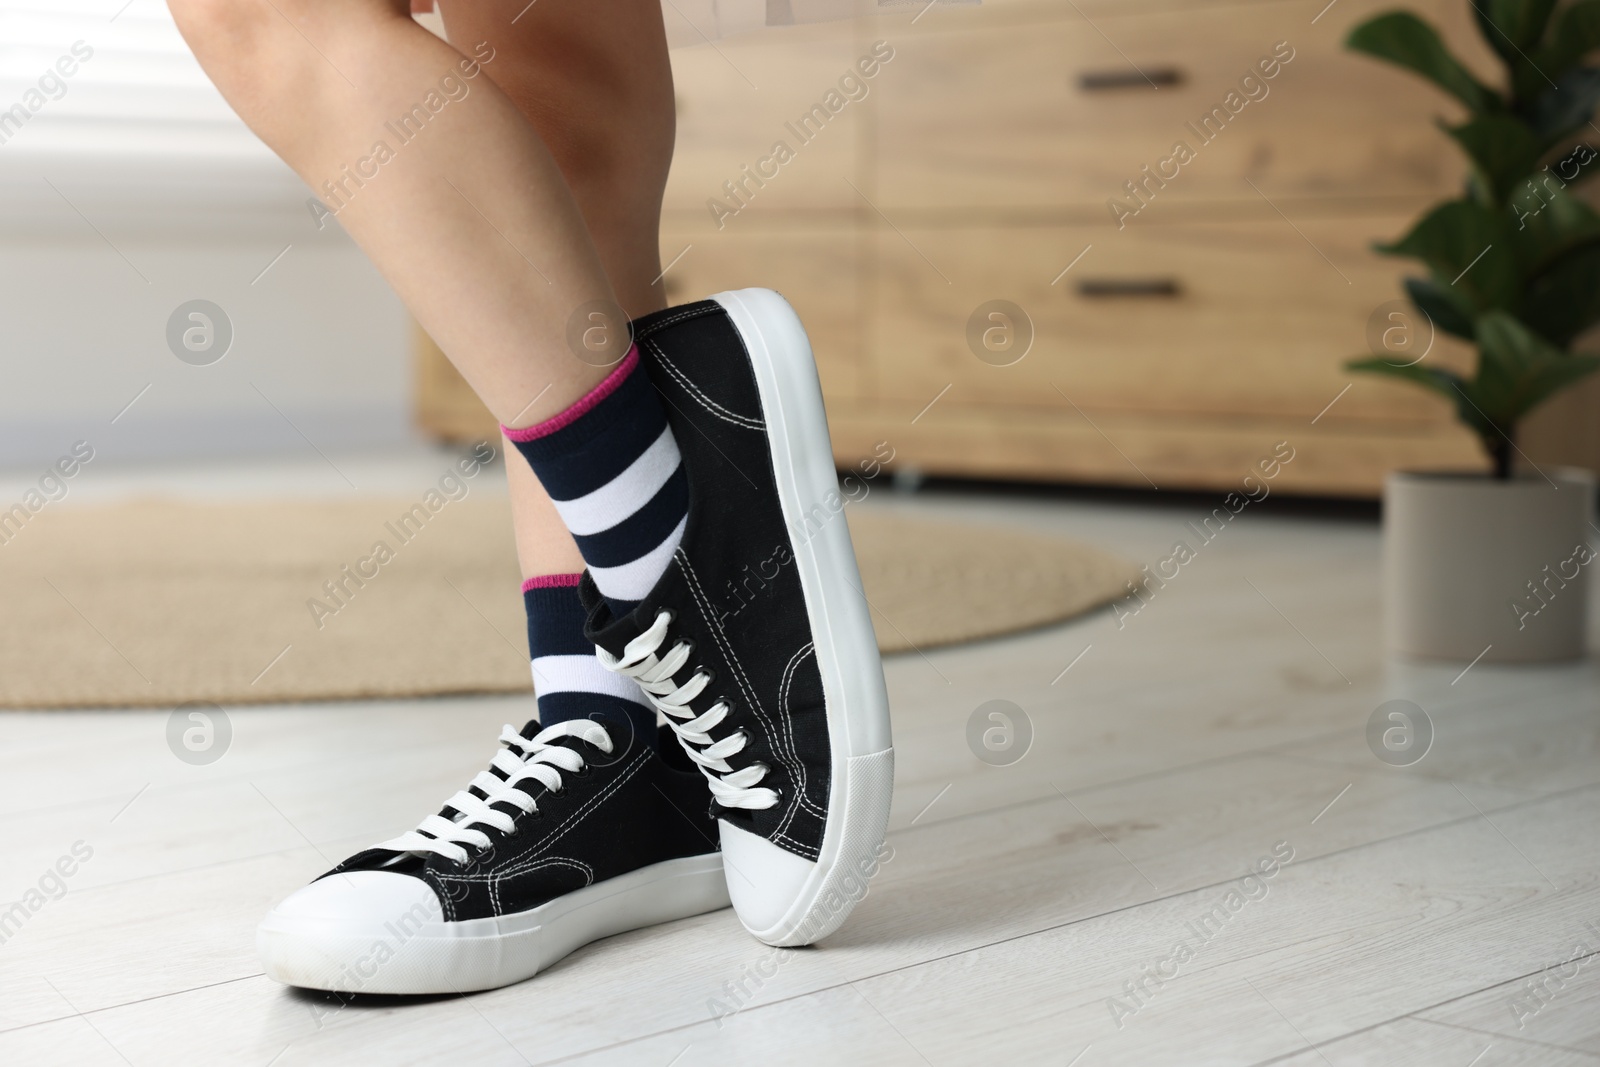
pixel 742 99
pixel 1054 115
pixel 1225 319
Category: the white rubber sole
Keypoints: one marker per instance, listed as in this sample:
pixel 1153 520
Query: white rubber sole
pixel 421 953
pixel 862 780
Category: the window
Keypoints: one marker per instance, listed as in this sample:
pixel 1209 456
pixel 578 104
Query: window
pixel 104 98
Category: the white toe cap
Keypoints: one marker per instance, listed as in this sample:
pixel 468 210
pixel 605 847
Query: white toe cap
pixel 358 902
pixel 764 880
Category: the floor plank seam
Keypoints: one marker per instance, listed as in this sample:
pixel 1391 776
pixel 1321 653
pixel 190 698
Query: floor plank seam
pixel 1411 772
pixel 130 1003
pixel 205 866
pixel 1275 749
pixel 1117 783
pixel 1018 805
pixel 1415 1016
pixel 244 777
pixel 1496 1035
pixel 1496 985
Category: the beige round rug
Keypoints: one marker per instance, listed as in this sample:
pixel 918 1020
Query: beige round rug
pixel 157 602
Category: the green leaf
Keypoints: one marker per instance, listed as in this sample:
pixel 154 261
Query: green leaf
pixel 1434 380
pixel 1564 300
pixel 1448 309
pixel 1517 370
pixel 1445 383
pixel 1469 248
pixel 1514 28
pixel 1512 25
pixel 1567 107
pixel 1508 353
pixel 1405 40
pixel 1575 34
pixel 1504 150
pixel 1549 223
pixel 1551 380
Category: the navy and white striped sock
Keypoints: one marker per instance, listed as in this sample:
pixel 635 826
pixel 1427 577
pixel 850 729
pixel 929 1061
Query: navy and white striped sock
pixel 568 679
pixel 611 465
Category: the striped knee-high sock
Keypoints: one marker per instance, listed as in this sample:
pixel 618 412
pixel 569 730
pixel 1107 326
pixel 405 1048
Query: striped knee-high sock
pixel 611 465
pixel 568 679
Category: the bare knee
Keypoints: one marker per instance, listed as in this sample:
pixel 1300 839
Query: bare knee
pixel 243 47
pixel 220 28
pixel 212 26
pixel 277 61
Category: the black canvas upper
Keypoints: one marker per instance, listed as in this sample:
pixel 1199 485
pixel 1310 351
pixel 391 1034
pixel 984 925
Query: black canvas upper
pixel 732 585
pixel 627 809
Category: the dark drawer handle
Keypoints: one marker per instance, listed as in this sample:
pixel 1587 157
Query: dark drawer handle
pixel 1097 81
pixel 1097 288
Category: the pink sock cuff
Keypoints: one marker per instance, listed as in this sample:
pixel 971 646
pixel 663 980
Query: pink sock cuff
pixel 551 581
pixel 582 407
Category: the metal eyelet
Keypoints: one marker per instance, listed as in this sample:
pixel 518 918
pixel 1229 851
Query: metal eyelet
pixel 709 673
pixel 672 616
pixel 582 772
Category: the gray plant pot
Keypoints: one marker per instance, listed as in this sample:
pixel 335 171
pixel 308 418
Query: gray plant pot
pixel 1470 563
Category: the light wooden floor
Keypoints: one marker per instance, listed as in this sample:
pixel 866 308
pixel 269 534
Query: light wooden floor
pixel 1225 719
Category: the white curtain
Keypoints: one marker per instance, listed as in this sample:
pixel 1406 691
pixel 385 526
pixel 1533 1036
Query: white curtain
pixel 138 92
pixel 102 105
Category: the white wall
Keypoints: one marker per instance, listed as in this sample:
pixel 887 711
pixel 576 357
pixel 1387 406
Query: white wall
pixel 134 191
pixel 320 336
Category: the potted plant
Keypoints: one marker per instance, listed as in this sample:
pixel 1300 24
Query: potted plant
pixel 1496 564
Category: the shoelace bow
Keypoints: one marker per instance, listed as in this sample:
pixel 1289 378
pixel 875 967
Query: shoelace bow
pixel 640 661
pixel 523 759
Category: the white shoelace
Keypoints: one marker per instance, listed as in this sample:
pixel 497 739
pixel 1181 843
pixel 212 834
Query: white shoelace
pixel 639 660
pixel 522 760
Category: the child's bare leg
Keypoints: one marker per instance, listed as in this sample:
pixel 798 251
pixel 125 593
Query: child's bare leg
pixel 468 217
pixel 543 544
pixel 595 81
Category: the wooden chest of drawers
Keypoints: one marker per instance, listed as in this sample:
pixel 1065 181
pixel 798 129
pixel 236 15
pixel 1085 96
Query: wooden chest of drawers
pixel 1175 339
pixel 1202 323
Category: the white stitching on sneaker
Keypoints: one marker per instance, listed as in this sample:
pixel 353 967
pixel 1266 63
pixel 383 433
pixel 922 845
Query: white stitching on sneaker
pixel 681 316
pixel 783 713
pixel 744 422
pixel 784 732
pixel 783 736
pixel 493 879
pixel 532 860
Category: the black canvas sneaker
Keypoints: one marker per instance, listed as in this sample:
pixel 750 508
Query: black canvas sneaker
pixel 576 832
pixel 757 643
